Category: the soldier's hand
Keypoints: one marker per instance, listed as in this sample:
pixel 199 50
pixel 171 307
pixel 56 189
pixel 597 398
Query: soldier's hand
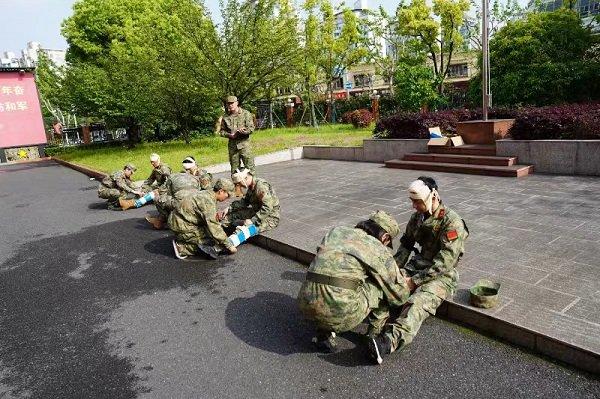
pixel 247 222
pixel 155 192
pixel 231 135
pixel 232 250
pixel 410 283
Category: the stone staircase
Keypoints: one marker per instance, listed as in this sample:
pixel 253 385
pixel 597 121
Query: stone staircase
pixel 475 159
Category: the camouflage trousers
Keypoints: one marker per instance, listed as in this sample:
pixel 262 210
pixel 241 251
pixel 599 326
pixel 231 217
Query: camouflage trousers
pixel 239 151
pixel 338 309
pixel 189 241
pixel 164 208
pixel 237 217
pixel 113 194
pixel 420 305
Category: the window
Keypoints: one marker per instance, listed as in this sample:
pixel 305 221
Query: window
pixel 362 80
pixel 458 71
pixel 338 84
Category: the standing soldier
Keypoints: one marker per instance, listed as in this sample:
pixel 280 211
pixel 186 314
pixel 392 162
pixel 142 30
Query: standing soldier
pixel 158 177
pixel 237 126
pixel 441 233
pixel 195 224
pixel 177 186
pixel 119 186
pixel 256 212
pixel 353 276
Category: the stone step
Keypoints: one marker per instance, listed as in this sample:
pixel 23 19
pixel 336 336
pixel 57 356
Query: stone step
pixel 466 149
pixel 486 170
pixel 461 159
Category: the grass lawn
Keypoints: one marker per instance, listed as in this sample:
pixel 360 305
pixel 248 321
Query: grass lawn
pixel 211 150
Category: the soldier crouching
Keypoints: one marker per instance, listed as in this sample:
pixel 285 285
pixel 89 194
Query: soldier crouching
pixel 353 276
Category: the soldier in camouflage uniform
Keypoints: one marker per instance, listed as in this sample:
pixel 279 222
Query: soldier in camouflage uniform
pixel 237 126
pixel 353 276
pixel 158 177
pixel 118 186
pixel 259 206
pixel 177 186
pixel 441 233
pixel 194 221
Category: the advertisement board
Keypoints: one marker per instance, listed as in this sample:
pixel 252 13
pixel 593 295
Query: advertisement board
pixel 21 121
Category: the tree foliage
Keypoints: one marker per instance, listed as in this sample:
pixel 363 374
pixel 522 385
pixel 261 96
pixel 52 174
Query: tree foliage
pixel 436 27
pixel 542 59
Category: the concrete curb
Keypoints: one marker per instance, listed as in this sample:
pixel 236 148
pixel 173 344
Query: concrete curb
pixel 534 341
pixel 26 161
pixel 86 171
pixel 290 154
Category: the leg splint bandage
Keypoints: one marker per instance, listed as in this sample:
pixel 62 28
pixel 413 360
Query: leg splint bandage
pixel 144 200
pixel 242 234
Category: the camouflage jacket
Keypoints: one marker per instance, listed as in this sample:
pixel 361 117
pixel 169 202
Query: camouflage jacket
pixel 197 212
pixel 158 175
pixel 119 181
pixel 177 186
pixel 351 253
pixel 442 239
pixel 231 123
pixel 262 199
pixel 205 179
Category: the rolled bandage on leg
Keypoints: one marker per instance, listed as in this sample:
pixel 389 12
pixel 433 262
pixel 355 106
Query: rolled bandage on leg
pixel 242 233
pixel 144 200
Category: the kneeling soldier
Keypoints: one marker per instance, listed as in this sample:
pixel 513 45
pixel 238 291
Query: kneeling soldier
pixel 353 276
pixel 195 224
pixel 441 233
pixel 177 186
pixel 256 212
pixel 119 186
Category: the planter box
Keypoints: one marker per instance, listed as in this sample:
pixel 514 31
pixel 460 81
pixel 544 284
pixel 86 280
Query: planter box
pixel 484 132
pixel 335 153
pixel 565 157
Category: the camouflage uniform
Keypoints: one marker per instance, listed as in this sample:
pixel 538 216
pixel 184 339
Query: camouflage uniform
pixel 194 221
pixel 116 186
pixel 260 205
pixel 239 147
pixel 157 177
pixel 350 253
pixel 442 239
pixel 205 178
pixel 176 187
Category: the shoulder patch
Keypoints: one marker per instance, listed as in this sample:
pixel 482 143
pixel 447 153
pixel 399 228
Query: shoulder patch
pixel 452 235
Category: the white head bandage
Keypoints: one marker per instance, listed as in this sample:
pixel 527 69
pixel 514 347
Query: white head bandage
pixel 239 177
pixel 188 163
pixel 154 157
pixel 418 190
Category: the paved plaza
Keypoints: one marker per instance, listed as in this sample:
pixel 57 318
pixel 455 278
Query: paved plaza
pixel 93 304
pixel 538 236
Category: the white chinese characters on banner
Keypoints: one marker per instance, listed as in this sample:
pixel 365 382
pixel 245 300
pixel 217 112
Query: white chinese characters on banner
pixel 8 92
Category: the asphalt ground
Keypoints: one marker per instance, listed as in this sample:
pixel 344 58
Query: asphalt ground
pixel 93 304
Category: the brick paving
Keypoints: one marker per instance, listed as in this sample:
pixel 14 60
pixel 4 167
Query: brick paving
pixel 539 236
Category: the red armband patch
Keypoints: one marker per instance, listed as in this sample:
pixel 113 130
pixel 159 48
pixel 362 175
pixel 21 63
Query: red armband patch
pixel 452 235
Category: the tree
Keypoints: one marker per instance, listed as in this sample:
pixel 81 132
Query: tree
pixel 415 87
pixel 334 52
pixel 542 59
pixel 254 49
pixel 49 80
pixel 437 28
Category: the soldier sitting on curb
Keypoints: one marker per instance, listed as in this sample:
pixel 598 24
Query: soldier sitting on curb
pixel 441 233
pixel 353 276
pixel 158 177
pixel 119 186
pixel 195 224
pixel 256 212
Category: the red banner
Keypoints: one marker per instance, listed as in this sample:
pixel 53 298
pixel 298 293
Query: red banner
pixel 21 121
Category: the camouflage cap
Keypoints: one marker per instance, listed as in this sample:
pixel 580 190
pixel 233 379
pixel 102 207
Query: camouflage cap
pixel 225 185
pixel 231 99
pixel 484 294
pixel 386 222
pixel 131 167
